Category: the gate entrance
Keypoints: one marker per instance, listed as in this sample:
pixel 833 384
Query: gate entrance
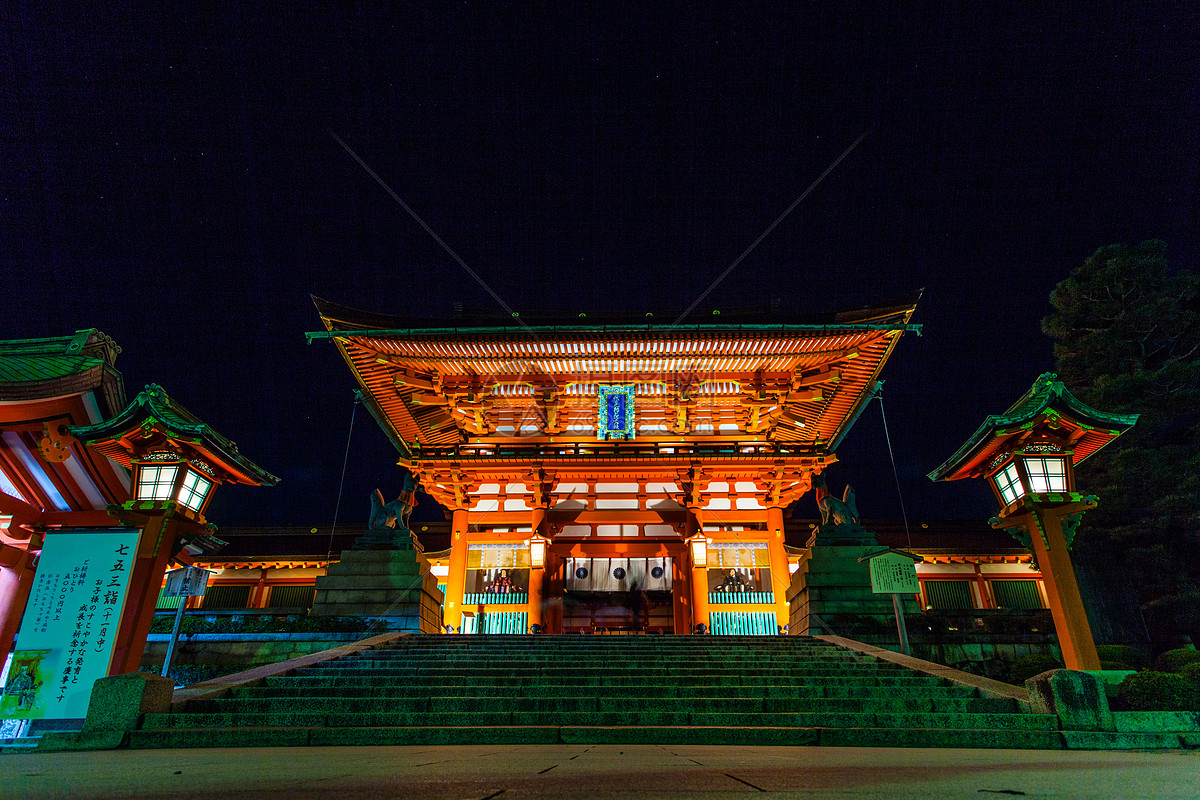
pixel 618 595
pixel 618 612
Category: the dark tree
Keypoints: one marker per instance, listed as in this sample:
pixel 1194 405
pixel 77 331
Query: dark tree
pixel 1126 330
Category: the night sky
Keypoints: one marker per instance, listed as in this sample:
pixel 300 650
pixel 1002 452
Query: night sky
pixel 168 177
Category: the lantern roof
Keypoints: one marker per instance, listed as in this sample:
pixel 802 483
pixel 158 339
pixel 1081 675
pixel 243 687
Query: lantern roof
pixel 154 422
pixel 1048 416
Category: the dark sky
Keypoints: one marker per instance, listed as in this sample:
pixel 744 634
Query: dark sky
pixel 168 177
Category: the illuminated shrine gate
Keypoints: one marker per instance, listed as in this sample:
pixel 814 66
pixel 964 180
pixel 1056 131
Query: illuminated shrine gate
pixel 589 441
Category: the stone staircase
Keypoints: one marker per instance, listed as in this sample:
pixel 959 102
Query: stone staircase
pixel 767 690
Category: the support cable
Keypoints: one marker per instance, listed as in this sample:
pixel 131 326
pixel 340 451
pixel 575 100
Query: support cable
pixel 895 473
pixel 342 483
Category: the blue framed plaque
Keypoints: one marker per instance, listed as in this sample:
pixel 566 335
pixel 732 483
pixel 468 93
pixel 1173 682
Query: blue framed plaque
pixel 615 413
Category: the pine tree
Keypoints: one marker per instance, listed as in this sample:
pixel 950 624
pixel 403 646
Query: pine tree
pixel 1126 332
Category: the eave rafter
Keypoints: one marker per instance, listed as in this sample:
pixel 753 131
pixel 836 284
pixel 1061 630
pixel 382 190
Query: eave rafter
pixel 766 402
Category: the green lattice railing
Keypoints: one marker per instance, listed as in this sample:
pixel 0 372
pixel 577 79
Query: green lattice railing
pixel 740 597
pixel 743 623
pixel 495 599
pixel 498 622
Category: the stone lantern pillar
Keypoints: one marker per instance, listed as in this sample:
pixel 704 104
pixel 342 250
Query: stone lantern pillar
pixel 1028 456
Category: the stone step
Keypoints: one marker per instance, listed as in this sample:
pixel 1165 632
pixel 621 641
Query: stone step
pixel 401 672
pixel 771 719
pixel 647 655
pixel 285 688
pixel 735 704
pixel 668 690
pixel 559 679
pixel 594 734
pixel 828 687
pixel 780 698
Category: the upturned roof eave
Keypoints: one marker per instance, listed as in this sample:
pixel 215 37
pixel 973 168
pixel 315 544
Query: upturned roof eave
pixel 154 404
pixel 1041 396
pixel 345 321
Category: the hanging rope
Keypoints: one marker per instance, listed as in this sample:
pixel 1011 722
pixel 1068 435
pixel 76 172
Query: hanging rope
pixel 341 484
pixel 895 473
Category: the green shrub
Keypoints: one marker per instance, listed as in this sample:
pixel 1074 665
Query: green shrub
pixel 1159 691
pixel 1117 665
pixel 260 623
pixel 1175 660
pixel 1192 672
pixel 1123 654
pixel 1026 667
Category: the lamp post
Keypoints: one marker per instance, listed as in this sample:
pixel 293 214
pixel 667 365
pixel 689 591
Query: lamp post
pixel 177 461
pixel 1028 456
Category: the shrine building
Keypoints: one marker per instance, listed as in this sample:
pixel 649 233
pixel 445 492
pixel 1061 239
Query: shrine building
pixel 620 473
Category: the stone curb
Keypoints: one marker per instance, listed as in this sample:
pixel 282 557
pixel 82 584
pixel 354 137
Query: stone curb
pixel 987 685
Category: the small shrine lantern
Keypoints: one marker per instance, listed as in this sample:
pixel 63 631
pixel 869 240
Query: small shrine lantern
pixel 1028 455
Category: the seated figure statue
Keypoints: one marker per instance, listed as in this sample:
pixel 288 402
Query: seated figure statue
pixel 839 518
pixel 387 527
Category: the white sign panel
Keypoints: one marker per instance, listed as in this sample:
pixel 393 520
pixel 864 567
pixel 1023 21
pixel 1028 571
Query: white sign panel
pixel 70 624
pixel 186 582
pixel 894 574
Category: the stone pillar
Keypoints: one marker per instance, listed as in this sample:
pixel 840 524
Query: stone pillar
pixel 455 579
pixel 781 577
pixel 16 581
pixel 1058 575
pixel 155 546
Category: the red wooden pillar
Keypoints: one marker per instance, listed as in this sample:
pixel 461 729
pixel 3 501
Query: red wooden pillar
pixel 681 589
pixel 155 546
pixel 699 575
pixel 552 591
pixel 781 576
pixel 457 575
pixel 16 581
pixel 537 575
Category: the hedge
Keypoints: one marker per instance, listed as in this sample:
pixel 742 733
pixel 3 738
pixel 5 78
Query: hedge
pixel 1159 691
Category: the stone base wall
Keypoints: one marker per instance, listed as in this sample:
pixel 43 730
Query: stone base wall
pixel 392 586
pixel 241 652
pixel 979 656
pixel 831 583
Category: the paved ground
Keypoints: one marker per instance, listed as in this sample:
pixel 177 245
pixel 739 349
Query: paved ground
pixel 608 771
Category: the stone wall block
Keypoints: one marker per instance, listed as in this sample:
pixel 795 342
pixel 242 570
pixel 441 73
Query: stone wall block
pixel 1078 699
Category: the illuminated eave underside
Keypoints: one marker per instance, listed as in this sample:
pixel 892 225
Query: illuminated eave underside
pixel 580 365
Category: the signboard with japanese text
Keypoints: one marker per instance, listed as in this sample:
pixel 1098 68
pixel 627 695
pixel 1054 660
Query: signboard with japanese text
pixel 70 624
pixel 893 573
pixel 186 582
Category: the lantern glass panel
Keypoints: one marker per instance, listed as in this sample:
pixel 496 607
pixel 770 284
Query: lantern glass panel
pixel 1046 474
pixel 537 553
pixel 1008 482
pixel 155 482
pixel 194 490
